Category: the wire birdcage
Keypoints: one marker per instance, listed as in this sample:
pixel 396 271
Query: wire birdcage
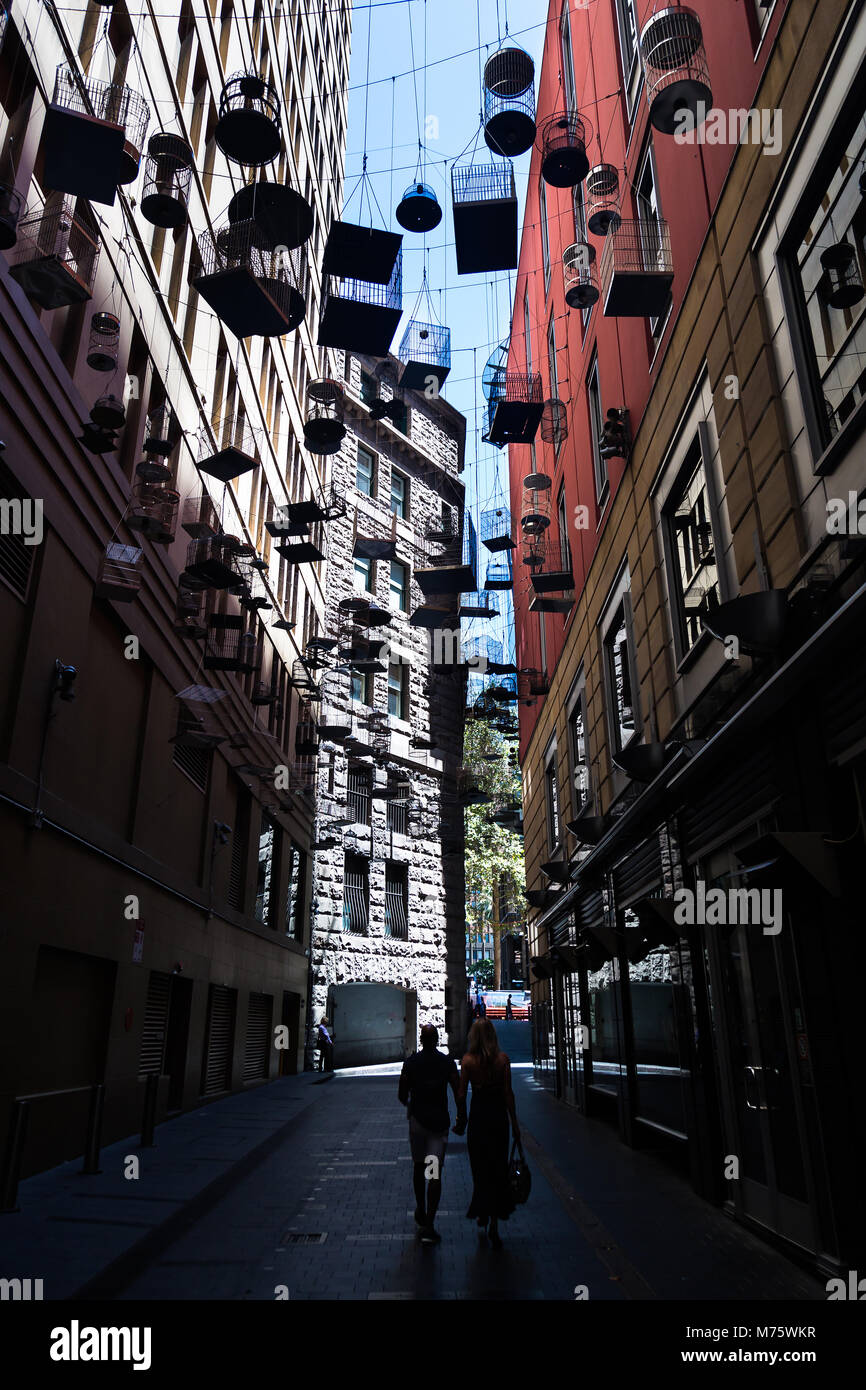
pixel 324 430
pixel 496 528
pixel 190 612
pixel 118 577
pixel 104 345
pixel 484 208
pixel 419 210
pixel 535 513
pixel 254 291
pixel 554 423
pixel 563 150
pixel 153 511
pixel 509 101
pixel 579 275
pixel 55 257
pixel 248 125
pixel 675 68
pixel 637 269
pixel 93 136
pixel 167 179
pixel 425 352
pixel 515 408
pixel 602 199
pixel 362 315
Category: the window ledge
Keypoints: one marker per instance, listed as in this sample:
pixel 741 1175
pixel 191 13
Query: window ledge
pixel 841 444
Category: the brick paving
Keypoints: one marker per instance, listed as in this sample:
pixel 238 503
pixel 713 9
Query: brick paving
pixel 308 1186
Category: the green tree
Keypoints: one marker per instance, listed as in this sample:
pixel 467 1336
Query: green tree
pixel 494 855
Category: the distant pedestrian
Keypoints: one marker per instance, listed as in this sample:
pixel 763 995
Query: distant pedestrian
pixel 509 1012
pixel 488 1071
pixel 326 1045
pixel 423 1089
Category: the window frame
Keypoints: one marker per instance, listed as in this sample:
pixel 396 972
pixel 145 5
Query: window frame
pixel 619 601
pixel 552 808
pixel 403 513
pixel 545 233
pixel 696 459
pixel 566 58
pixel 403 714
pixel 363 449
pixel 401 591
pixel 364 574
pixel 596 428
pixel 575 705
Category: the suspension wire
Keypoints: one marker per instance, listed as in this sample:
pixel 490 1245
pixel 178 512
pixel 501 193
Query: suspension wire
pixel 391 182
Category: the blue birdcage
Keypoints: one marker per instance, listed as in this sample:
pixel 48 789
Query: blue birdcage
pixel 426 347
pixel 419 210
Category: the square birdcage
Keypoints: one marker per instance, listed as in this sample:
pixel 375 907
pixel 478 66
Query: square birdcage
pixel 484 206
pixel 637 269
pixel 478 603
pixel 255 290
pixel 55 257
pixel 499 576
pixel 361 315
pixel 199 516
pixel 450 563
pixel 227 647
pixel 496 529
pixel 210 563
pixel 118 576
pixel 190 613
pixel 516 408
pixel 556 571
pixel 236 451
pixel 425 352
pixel 93 136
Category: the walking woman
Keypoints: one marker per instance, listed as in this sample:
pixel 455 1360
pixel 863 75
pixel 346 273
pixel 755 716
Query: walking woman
pixel 488 1071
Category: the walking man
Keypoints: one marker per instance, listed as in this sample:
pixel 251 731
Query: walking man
pixel 509 1012
pixel 326 1046
pixel 424 1083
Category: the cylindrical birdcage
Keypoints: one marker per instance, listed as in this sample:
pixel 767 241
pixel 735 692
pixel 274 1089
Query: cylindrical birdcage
pixel 509 101
pixel 248 127
pixel 167 179
pixel 533 550
pixel 324 430
pixel 675 67
pixel 563 150
pixel 554 422
pixel 535 513
pixel 153 511
pixel 840 286
pixel 580 276
pixel 109 413
pixel 104 342
pixel 602 199
pixel 419 210
pixel 126 108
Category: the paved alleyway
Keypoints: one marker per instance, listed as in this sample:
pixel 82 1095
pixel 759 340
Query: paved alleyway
pixel 307 1183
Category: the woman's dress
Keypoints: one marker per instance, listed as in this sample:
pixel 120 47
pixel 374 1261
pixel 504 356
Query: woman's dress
pixel 487 1135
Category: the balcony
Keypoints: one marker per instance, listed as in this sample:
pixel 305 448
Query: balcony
pixel 637 269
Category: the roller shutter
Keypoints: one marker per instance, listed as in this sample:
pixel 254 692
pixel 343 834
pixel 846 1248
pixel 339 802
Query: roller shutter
pixel 152 1049
pixel 216 1075
pixel 258 1040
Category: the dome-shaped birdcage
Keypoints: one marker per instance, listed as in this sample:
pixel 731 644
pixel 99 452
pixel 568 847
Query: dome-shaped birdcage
pixel 554 422
pixel 535 513
pixel 248 126
pixel 280 215
pixel 11 210
pixel 167 179
pixel 509 101
pixel 108 413
pixel 104 344
pixel 419 210
pixel 602 199
pixel 579 275
pixel 563 150
pixel 324 430
pixel 840 286
pixel 254 291
pixel 675 67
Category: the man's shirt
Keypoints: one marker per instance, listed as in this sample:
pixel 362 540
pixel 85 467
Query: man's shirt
pixel 424 1084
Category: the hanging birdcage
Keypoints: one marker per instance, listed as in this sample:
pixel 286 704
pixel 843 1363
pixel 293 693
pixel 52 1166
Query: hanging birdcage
pixel 448 565
pixel 484 206
pixel 477 603
pixel 419 210
pixel 280 215
pixel 509 101
pixel 118 577
pixel 190 616
pixel 533 551
pixel 167 179
pixel 210 563
pixel 515 408
pixel 675 68
pixel 324 430
pixel 554 423
pixel 200 517
pixel 602 199
pixel 157 431
pixel 11 211
pixel 104 342
pixel 425 352
pixel 153 511
pixel 499 575
pixel 236 453
pixel 361 315
pixel 563 150
pixel 225 648
pixel 55 257
pixel 254 291
pixel 109 412
pixel 92 136
pixel 496 529
pixel 248 125
pixel 535 514
pixel 840 286
pixel 579 275
pixel 637 269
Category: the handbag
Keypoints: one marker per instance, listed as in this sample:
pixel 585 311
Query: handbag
pixel 519 1176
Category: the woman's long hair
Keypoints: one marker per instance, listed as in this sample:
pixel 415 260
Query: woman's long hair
pixel 483 1043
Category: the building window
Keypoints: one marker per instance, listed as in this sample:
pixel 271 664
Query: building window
pixel 359 793
pixel 365 580
pixel 365 472
pixel 362 687
pixel 398 690
pixel 296 893
pixel 596 425
pixel 369 388
pixel 399 495
pixel 691 550
pixel 650 216
pixel 567 60
pixel 562 520
pixel 577 747
pixel 356 894
pixel 627 24
pixel 399 586
pixel 832 363
pixel 400 416
pixel 397 900
pixel 264 896
pixel 398 804
pixel 542 641
pixel 527 331
pixel 551 797
pixel 545 238
pixel 619 672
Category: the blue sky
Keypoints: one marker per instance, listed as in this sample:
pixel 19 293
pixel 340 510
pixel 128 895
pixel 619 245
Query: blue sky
pixel 476 308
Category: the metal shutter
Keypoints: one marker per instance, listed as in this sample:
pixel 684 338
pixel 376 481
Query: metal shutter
pixel 844 711
pixel 639 874
pixel 218 1043
pixel 152 1051
pixel 257 1050
pixel 736 800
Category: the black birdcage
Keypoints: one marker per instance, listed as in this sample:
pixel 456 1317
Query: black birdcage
pixel 602 199
pixel 248 125
pixel 362 315
pixel 840 286
pixel 675 68
pixel 255 291
pixel 118 577
pixel 425 352
pixel 109 412
pixel 153 511
pixel 554 422
pixel 11 212
pixel 281 215
pixel 92 136
pixel 579 275
pixel 200 518
pixel 190 613
pixel 516 408
pixel 637 269
pixel 236 452
pixel 419 210
pixel 535 512
pixel 210 563
pixel 477 603
pixel 484 205
pixel 563 150
pixel 104 342
pixel 324 430
pixel 167 179
pixel 55 257
pixel 509 101
pixel 225 647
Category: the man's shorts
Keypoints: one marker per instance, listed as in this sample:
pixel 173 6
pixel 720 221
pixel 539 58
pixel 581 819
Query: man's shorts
pixel 424 1143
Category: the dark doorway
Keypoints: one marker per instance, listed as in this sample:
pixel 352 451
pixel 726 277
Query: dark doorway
pixel 290 1017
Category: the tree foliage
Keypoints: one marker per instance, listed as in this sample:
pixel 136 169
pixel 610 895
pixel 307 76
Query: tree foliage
pixel 492 852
